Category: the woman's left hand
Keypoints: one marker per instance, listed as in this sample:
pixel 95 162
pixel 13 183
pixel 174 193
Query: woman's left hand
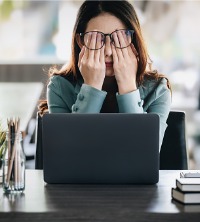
pixel 125 64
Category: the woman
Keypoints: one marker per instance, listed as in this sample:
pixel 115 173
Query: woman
pixel 108 71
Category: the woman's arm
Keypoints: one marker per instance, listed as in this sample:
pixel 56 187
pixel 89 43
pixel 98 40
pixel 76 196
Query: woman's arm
pixel 89 100
pixel 61 97
pixel 130 102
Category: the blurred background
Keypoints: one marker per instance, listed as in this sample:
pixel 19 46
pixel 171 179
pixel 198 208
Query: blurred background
pixel 35 35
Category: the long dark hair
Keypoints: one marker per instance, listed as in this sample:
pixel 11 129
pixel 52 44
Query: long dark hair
pixel 124 11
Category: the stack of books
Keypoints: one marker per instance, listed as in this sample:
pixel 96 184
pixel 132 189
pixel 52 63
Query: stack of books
pixel 187 190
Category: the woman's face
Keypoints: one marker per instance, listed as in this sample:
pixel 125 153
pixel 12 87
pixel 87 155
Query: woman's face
pixel 106 23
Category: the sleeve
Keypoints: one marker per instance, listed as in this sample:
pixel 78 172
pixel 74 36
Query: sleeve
pixel 161 106
pixel 63 99
pixel 89 100
pixel 56 103
pixel 130 102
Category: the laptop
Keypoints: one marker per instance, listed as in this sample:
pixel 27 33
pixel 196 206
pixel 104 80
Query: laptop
pixel 106 148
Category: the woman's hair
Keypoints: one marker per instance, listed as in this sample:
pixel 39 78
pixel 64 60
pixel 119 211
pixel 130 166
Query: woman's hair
pixel 124 11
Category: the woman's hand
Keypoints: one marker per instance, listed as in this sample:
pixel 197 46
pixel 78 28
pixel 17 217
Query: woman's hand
pixel 92 62
pixel 125 64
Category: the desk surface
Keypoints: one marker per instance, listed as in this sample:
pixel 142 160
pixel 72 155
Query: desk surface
pixel 44 202
pixel 19 100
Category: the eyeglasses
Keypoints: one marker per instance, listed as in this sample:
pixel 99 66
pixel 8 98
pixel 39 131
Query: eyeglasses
pixel 95 40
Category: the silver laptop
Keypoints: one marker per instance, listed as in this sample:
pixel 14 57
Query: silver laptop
pixel 101 148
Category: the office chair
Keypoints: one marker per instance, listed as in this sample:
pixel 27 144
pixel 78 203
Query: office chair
pixel 173 155
pixel 39 151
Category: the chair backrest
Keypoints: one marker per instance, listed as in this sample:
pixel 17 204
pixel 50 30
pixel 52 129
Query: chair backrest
pixel 39 150
pixel 173 154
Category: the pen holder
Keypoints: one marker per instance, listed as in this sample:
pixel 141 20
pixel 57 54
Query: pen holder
pixel 14 164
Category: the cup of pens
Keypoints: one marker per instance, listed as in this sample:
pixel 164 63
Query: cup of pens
pixel 13 160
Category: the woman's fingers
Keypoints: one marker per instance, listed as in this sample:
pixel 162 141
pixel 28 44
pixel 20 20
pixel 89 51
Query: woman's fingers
pixel 123 42
pixel 114 54
pixel 102 55
pixel 93 71
pixel 81 55
pixel 117 44
pixel 133 51
pixel 98 45
pixel 92 45
pixel 116 40
pixel 91 56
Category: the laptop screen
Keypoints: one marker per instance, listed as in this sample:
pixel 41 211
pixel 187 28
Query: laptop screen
pixel 101 148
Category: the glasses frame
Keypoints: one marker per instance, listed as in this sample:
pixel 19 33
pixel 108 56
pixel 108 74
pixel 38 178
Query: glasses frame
pixel 107 34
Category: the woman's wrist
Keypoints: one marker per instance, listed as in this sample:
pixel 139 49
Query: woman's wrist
pixel 94 85
pixel 126 88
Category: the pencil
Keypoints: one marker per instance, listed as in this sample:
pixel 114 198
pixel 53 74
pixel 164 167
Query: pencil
pixel 10 167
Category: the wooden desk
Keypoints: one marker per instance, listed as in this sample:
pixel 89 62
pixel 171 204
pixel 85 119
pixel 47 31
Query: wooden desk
pixel 42 202
pixel 19 100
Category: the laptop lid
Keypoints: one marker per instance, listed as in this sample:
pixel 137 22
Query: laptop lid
pixel 101 148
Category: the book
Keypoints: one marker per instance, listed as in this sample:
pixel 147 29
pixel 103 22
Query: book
pixel 190 175
pixel 188 184
pixel 186 197
pixel 190 208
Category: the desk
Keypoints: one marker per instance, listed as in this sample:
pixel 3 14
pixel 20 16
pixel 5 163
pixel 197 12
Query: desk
pixel 42 202
pixel 19 100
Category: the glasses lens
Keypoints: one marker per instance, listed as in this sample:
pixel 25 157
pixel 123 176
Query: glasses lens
pixel 93 40
pixel 122 38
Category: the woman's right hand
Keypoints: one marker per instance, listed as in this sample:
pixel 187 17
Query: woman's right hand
pixel 92 63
